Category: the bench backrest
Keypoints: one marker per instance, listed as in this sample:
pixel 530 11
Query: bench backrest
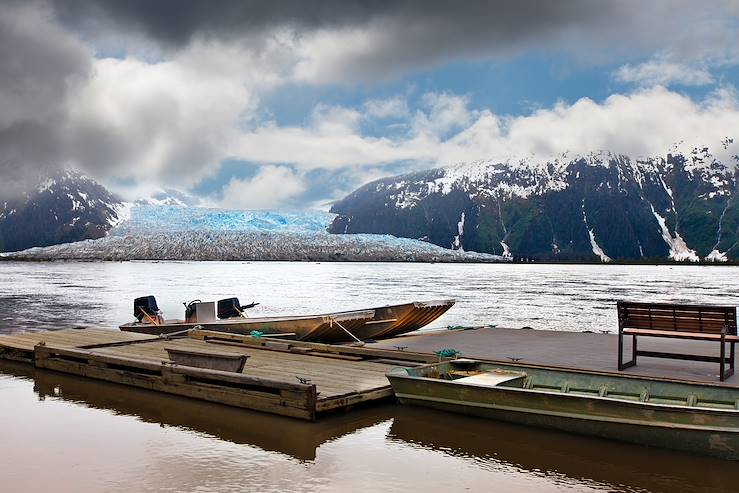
pixel 684 318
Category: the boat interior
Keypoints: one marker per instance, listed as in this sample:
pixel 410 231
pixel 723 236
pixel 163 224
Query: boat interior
pixel 636 389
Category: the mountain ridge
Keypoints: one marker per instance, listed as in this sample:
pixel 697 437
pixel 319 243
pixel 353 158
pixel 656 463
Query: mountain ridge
pixel 600 206
pixel 66 206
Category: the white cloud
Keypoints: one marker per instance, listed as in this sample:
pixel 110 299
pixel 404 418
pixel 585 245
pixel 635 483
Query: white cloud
pixel 664 73
pixel 395 107
pixel 171 121
pixel 444 112
pixel 271 187
pixel 646 122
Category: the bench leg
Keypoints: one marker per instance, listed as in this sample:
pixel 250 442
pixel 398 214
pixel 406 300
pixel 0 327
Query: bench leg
pixel 621 364
pixel 726 373
pixel 732 356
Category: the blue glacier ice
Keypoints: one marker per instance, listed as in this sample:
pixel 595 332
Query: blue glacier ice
pixel 170 218
pixel 171 232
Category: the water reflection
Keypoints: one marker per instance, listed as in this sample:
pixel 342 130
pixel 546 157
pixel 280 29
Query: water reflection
pixel 395 448
pixel 292 437
pixel 595 462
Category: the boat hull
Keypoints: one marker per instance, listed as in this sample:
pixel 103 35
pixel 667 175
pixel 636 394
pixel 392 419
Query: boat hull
pixel 394 320
pixel 692 429
pixel 309 328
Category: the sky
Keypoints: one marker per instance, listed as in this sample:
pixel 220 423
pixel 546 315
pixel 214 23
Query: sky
pixel 292 104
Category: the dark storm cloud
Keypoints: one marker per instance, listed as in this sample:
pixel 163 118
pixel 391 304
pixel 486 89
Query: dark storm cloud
pixel 452 25
pixel 38 68
pixel 175 22
pixel 404 35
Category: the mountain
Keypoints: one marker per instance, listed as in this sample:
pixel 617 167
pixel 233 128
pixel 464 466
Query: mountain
pixel 66 207
pixel 602 206
pixel 172 232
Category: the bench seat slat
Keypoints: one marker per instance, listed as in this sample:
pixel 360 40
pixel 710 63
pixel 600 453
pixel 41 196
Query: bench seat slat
pixel 679 334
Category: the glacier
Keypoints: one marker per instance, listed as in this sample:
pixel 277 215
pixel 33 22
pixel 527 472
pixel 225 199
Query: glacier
pixel 172 232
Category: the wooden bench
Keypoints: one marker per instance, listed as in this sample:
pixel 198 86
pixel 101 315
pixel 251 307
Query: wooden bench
pixel 687 322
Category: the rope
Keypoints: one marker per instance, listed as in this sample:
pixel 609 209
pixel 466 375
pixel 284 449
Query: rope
pixel 447 353
pixel 256 334
pixel 345 330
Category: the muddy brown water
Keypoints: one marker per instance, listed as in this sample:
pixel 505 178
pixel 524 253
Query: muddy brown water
pixel 64 433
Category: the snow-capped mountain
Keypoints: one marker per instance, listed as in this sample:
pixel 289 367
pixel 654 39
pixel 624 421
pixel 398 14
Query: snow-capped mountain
pixel 65 207
pixel 166 232
pixel 681 206
pixel 170 196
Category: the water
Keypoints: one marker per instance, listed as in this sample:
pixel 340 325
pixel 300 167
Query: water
pixel 39 296
pixel 69 434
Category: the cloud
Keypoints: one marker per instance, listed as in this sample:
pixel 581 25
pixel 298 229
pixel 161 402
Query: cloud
pixel 169 122
pixel 442 113
pixel 272 187
pixel 166 122
pixel 665 73
pixel 357 41
pixel 40 67
pixel 646 122
pixel 394 107
pixel 164 92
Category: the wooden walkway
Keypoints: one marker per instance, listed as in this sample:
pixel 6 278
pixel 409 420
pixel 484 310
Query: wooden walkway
pixel 69 338
pixel 291 379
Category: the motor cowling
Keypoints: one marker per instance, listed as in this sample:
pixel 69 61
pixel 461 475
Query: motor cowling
pixel 231 307
pixel 145 306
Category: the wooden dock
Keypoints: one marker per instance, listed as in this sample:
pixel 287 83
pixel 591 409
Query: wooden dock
pixel 299 380
pixel 571 350
pixel 304 380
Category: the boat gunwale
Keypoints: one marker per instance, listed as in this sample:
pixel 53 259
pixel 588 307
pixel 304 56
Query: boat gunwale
pixel 325 318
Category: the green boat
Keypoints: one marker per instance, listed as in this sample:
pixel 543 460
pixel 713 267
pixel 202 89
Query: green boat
pixel 692 417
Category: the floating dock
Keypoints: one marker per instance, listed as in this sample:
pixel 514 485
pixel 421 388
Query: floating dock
pixel 587 351
pixel 305 380
pixel 299 380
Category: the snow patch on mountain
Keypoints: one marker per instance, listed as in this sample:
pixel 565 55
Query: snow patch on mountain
pixel 597 250
pixel 679 250
pixel 716 256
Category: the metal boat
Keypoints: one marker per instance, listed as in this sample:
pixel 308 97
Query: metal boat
pixel 693 417
pixel 357 325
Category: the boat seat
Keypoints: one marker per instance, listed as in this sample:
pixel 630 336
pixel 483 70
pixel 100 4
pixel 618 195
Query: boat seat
pixel 494 378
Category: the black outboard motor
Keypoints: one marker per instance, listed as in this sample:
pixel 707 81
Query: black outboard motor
pixel 230 307
pixel 146 305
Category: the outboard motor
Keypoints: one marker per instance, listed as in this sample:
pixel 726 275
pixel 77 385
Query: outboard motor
pixel 230 307
pixel 146 305
pixel 190 310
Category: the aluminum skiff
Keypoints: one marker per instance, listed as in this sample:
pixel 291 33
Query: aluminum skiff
pixel 692 417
